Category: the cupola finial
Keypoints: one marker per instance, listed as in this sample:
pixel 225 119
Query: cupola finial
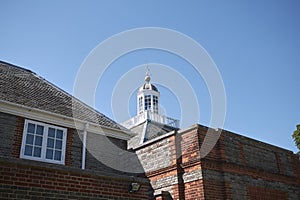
pixel 147 77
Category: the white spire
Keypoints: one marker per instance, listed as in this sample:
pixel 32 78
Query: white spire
pixel 147 77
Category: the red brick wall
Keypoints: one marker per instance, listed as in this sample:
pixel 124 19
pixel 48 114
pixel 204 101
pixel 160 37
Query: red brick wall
pixel 164 195
pixel 27 179
pixel 237 161
pixel 258 193
pixel 165 181
pixel 17 142
pixel 194 190
pixel 69 144
pixel 190 146
pixel 214 189
pixel 17 139
pixel 227 172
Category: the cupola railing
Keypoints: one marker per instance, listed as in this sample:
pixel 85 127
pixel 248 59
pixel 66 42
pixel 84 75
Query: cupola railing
pixel 150 115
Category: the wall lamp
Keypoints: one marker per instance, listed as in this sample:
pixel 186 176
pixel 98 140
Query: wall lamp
pixel 134 187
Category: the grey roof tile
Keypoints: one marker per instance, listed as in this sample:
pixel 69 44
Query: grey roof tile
pixel 149 132
pixel 24 87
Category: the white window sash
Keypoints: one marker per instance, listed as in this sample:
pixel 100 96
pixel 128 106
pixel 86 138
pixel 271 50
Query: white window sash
pixel 44 143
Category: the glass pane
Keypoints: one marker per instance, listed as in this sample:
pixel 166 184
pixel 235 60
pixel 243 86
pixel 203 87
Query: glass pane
pixel 38 140
pixel 50 143
pixel 28 150
pixel 58 144
pixel 39 130
pixel 51 132
pixel 59 134
pixel 37 152
pixel 29 139
pixel 49 154
pixel 31 128
pixel 57 155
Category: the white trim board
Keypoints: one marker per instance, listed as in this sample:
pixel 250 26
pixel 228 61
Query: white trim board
pixel 60 120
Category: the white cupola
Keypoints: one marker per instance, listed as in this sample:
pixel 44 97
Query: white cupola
pixel 148 107
pixel 147 97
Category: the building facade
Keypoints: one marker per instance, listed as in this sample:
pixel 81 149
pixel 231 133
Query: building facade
pixel 53 146
pixel 237 167
pixel 51 142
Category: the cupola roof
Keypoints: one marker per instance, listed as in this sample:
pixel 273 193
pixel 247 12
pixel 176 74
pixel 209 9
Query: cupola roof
pixel 148 85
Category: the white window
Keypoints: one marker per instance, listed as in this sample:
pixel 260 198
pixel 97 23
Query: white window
pixel 147 102
pixel 140 105
pixel 155 104
pixel 43 142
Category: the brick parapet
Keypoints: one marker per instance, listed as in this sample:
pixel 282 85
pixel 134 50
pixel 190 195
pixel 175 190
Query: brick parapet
pixel 233 159
pixel 250 171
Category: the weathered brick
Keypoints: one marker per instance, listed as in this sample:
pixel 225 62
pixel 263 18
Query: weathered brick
pixel 234 164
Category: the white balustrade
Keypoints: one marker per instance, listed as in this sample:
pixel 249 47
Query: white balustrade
pixel 149 115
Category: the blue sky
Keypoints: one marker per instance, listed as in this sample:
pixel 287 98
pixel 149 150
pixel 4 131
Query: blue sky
pixel 255 45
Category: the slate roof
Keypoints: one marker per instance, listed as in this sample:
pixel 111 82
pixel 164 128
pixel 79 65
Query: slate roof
pixel 24 87
pixel 155 129
pixel 148 130
pixel 148 86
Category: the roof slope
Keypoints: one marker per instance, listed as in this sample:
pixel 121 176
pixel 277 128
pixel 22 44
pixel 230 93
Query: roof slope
pixel 148 130
pixel 24 87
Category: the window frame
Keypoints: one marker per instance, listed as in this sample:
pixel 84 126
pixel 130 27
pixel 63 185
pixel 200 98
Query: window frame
pixel 44 142
pixel 155 104
pixel 140 104
pixel 147 104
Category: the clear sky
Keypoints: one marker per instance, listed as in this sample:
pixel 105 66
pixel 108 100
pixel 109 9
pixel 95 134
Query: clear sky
pixel 255 45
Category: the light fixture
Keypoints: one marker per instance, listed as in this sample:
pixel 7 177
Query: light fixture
pixel 134 187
